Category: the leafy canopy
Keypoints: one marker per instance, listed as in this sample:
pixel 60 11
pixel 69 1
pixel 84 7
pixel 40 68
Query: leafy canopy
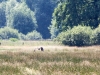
pixel 71 13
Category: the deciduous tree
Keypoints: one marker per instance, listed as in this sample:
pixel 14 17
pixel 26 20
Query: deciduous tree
pixel 76 12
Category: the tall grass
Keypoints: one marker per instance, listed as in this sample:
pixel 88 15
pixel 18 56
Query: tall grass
pixel 28 43
pixel 50 63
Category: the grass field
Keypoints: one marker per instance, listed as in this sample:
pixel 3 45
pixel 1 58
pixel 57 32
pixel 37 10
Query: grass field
pixel 17 58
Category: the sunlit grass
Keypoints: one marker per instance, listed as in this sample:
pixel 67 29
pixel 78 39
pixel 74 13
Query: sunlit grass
pixel 28 43
pixel 49 63
pixel 17 60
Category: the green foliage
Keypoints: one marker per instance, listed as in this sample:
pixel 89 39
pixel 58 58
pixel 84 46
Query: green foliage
pixel 34 36
pixel 6 33
pixel 24 19
pixel 54 31
pixel 77 36
pixel 10 4
pixel 22 36
pixel 16 14
pixel 2 14
pixel 13 39
pixel 27 15
pixel 23 23
pixel 60 16
pixel 96 36
pixel 43 10
pixel 76 12
pixel 13 35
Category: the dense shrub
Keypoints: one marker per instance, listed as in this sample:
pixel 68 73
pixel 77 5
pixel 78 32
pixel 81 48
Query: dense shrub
pixel 22 36
pixel 12 34
pixel 6 33
pixel 13 39
pixel 77 36
pixel 34 36
pixel 96 36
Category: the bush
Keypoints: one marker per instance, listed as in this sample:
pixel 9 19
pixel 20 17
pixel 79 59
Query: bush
pixel 22 36
pixel 96 36
pixel 6 33
pixel 34 36
pixel 13 39
pixel 77 36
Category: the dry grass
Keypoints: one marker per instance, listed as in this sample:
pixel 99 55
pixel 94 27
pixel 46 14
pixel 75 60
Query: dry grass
pixel 55 60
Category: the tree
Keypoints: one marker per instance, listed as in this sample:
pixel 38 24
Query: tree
pixel 76 12
pixel 23 23
pixel 10 4
pixel 43 10
pixel 20 17
pixel 24 19
pixel 2 15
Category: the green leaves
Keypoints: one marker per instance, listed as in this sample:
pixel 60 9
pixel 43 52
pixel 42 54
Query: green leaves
pixel 73 13
pixel 17 15
pixel 77 36
pixel 80 36
pixel 6 33
pixel 12 34
pixel 34 36
pixel 96 36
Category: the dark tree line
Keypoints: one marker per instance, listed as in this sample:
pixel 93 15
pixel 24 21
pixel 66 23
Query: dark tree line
pixel 28 15
pixel 44 10
pixel 17 15
pixel 49 17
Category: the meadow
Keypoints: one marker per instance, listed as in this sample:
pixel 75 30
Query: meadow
pixel 19 58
